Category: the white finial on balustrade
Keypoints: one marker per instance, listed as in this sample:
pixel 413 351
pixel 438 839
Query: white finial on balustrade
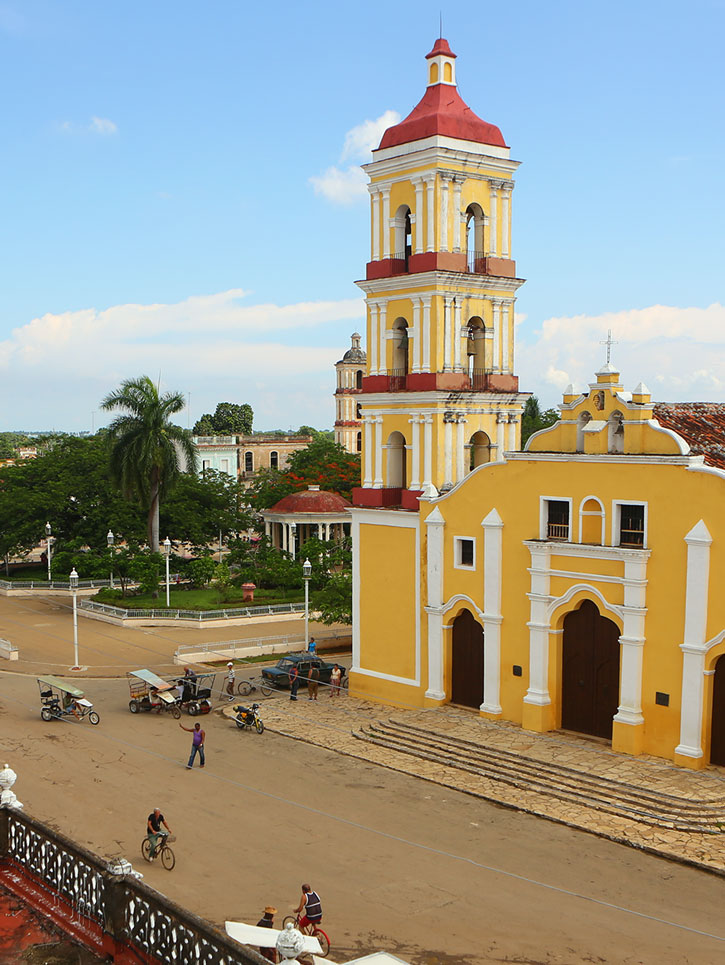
pixel 7 799
pixel 290 944
pixel 121 866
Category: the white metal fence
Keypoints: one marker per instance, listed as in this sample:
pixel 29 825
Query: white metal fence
pixel 51 584
pixel 120 613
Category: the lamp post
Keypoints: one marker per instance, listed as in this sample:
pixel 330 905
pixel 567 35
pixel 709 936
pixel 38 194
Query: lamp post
pixel 167 553
pixel 74 588
pixel 306 574
pixel 110 539
pixel 48 541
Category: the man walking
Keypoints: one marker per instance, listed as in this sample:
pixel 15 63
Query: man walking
pixel 294 681
pixel 230 680
pixel 314 683
pixel 197 744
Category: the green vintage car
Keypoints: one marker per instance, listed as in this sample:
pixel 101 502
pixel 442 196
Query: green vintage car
pixel 279 676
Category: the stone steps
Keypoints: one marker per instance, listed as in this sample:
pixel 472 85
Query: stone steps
pixel 639 803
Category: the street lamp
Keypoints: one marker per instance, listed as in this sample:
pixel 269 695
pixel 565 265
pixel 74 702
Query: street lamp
pixel 74 588
pixel 110 539
pixel 167 553
pixel 306 574
pixel 48 541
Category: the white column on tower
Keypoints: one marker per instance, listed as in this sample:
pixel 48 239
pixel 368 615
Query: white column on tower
pixel 426 299
pixel 493 231
pixel 368 446
pixel 386 222
pixel 504 323
pixel 445 180
pixel 448 419
pixel 500 435
pixel 415 452
pixel 375 197
pixel 457 307
pixel 419 220
pixel 513 419
pixel 427 451
pixel 505 217
pixel 457 213
pixel 416 333
pixel 373 307
pixel 447 314
pixel 430 193
pixel 382 329
pixel 460 447
pixel 496 303
pixel 378 481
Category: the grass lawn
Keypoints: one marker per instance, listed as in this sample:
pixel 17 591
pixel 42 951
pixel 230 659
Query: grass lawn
pixel 208 598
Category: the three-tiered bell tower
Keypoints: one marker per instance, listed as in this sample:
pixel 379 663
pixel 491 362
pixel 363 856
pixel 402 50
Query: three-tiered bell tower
pixel 440 396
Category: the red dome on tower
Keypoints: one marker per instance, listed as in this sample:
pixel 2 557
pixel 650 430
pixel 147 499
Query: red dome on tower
pixel 442 111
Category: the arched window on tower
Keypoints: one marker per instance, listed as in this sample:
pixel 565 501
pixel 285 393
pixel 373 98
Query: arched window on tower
pixel 358 379
pixel 615 432
pixel 480 449
pixel 400 354
pixel 434 73
pixel 396 475
pixel 475 250
pixel 584 417
pixel 403 235
pixel 359 442
pixel 476 351
pixel 358 411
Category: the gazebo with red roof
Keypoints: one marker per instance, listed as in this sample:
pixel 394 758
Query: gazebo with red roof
pixel 305 514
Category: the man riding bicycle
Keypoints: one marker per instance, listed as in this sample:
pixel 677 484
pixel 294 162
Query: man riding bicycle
pixel 310 907
pixel 154 832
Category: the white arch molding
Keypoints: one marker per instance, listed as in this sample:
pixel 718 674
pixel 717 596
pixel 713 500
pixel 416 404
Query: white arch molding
pixel 585 588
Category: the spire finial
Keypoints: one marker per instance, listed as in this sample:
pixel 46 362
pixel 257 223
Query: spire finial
pixel 440 24
pixel 609 342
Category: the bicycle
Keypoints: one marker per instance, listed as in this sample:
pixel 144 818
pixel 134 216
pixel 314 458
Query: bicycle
pixel 311 929
pixel 168 858
pixel 246 687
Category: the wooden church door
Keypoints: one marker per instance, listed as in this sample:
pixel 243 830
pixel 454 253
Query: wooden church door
pixel 590 672
pixel 467 660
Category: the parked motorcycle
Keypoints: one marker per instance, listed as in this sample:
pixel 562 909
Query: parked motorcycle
pixel 248 717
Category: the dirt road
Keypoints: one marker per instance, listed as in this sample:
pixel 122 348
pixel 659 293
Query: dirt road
pixel 403 865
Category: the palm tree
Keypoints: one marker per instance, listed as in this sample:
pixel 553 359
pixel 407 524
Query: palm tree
pixel 147 451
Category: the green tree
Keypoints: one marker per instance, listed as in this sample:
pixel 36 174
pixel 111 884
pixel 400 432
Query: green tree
pixel 204 426
pixel 201 571
pixel 533 419
pixel 200 507
pixel 334 600
pixel 146 449
pixel 229 419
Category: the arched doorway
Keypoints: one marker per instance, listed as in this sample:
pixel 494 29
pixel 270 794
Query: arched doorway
pixel 590 672
pixel 717 732
pixel 467 661
pixel 397 474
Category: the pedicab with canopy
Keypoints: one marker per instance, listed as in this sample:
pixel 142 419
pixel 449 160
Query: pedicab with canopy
pixel 150 692
pixel 60 699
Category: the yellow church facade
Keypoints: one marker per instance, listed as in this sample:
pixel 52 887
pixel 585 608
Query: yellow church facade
pixel 572 585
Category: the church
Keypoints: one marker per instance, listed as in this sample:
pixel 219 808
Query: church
pixel 570 585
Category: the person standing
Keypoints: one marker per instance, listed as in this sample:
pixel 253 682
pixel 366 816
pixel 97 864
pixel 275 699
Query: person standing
pixel 153 830
pixel 314 682
pixel 230 680
pixel 267 921
pixel 335 681
pixel 197 744
pixel 312 645
pixel 294 681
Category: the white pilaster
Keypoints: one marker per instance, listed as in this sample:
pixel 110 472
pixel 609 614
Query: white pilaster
pixel 382 328
pixel 538 692
pixel 512 432
pixel 374 339
pixel 368 447
pixel 506 217
pixel 375 197
pixel 632 643
pixel 430 196
pixel 447 312
pixel 427 452
pixel 434 577
pixel 378 481
pixel 504 323
pixel 460 447
pixel 496 304
pixel 416 333
pixel 448 448
pixel 415 452
pixel 426 332
pixel 492 618
pixel 386 222
pixel 457 306
pixel 493 219
pixel 445 181
pixel 500 435
pixel 457 213
pixel 694 646
pixel 419 219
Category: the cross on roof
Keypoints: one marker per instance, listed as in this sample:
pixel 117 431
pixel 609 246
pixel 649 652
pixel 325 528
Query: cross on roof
pixel 609 342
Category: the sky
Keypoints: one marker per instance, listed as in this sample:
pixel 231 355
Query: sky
pixel 182 197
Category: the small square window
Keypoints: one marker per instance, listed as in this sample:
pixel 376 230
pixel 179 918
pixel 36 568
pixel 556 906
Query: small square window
pixel 465 552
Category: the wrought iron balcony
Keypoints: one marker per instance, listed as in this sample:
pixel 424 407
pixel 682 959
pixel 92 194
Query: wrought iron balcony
pixel 397 379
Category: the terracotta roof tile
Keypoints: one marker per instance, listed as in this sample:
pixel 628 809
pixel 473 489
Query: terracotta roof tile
pixel 311 501
pixel 701 425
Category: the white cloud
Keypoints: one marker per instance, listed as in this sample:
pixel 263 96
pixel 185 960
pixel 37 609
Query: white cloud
pixel 341 186
pixel 345 185
pixel 662 345
pixel 212 344
pixel 101 125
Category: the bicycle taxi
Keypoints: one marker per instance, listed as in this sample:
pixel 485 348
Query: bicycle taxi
pixel 196 693
pixel 60 699
pixel 150 692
